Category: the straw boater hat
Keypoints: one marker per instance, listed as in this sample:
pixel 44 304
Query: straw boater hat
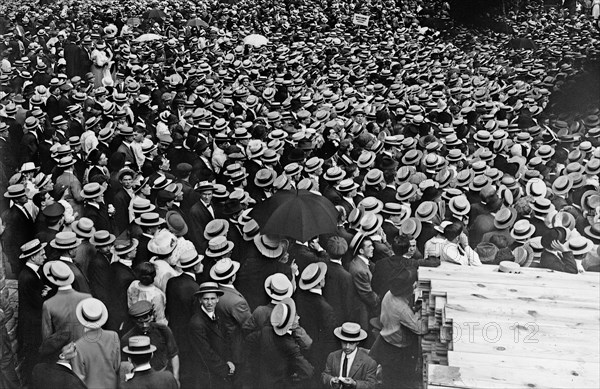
pixel 139 345
pixel 189 258
pixel 312 275
pixel 370 205
pixel 91 313
pixel 505 218
pixel 283 316
pixel 269 246
pixel 370 224
pixel 459 205
pixel 15 191
pixel 350 332
pixel 522 230
pixel 541 205
pixel 411 228
pixel 123 247
pixel 278 286
pixel 102 238
pixel 208 287
pixel 58 273
pixel 224 269
pixel 65 240
pixel 149 219
pixel 250 230
pixel 92 190
pixel 580 245
pixel 218 246
pixel 426 211
pixel 214 228
pixel 30 248
pixel 83 227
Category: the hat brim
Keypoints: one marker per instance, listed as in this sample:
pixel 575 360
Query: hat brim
pixel 323 272
pixel 266 251
pixel 528 235
pixel 40 248
pixel 287 294
pixel 91 324
pixel 111 240
pixel 338 334
pixel 139 222
pixel 46 271
pixel 87 196
pixel 236 267
pixel 129 249
pixel 71 246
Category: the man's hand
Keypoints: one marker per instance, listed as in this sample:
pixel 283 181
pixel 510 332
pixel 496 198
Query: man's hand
pixel 334 382
pixel 556 245
pixel 348 382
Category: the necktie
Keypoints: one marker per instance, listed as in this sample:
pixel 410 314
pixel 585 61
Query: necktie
pixel 345 366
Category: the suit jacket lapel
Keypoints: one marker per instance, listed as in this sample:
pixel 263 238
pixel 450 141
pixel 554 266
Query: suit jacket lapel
pixel 356 364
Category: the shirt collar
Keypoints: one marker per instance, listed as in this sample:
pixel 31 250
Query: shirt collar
pixel 190 274
pixel 66 259
pixel 33 267
pixel 65 364
pixel 318 291
pixel 143 367
pixel 338 261
pixel 363 258
pixel 209 314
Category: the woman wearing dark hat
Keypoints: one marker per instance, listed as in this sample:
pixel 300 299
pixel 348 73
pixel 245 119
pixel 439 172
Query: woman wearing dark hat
pixel 397 344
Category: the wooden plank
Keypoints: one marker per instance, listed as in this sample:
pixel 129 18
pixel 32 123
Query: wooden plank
pixel 572 317
pixel 497 377
pixel 514 292
pixel 541 279
pixel 561 367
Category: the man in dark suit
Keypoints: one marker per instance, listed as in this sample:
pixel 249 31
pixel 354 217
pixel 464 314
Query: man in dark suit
pixel 59 350
pixel 556 254
pixel 232 309
pixel 180 300
pixel 29 330
pixel 351 366
pixel 200 215
pixel 190 196
pixel 52 104
pixel 338 289
pixel 360 269
pixel 95 208
pixel 210 350
pixel 99 271
pixel 19 227
pixel 306 253
pixel 121 200
pixel 123 276
pixel 316 313
pixel 139 351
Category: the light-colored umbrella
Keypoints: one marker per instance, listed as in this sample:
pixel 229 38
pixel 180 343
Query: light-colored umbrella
pixel 148 37
pixel 256 40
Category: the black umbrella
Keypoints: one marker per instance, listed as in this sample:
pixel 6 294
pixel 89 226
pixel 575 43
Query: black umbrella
pixel 296 214
pixel 155 13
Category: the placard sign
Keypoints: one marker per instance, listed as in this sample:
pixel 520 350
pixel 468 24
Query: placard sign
pixel 360 20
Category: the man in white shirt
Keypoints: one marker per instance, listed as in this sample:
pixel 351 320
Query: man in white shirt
pixel 350 367
pixel 456 249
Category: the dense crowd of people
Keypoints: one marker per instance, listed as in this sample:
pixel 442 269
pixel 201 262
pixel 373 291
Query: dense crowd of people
pixel 136 137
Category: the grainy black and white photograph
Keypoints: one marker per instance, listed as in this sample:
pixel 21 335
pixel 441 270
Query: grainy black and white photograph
pixel 300 194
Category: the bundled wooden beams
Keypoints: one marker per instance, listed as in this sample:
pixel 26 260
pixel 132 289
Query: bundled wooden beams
pixel 538 328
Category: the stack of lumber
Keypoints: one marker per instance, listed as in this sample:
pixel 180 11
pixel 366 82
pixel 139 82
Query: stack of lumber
pixel 535 329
